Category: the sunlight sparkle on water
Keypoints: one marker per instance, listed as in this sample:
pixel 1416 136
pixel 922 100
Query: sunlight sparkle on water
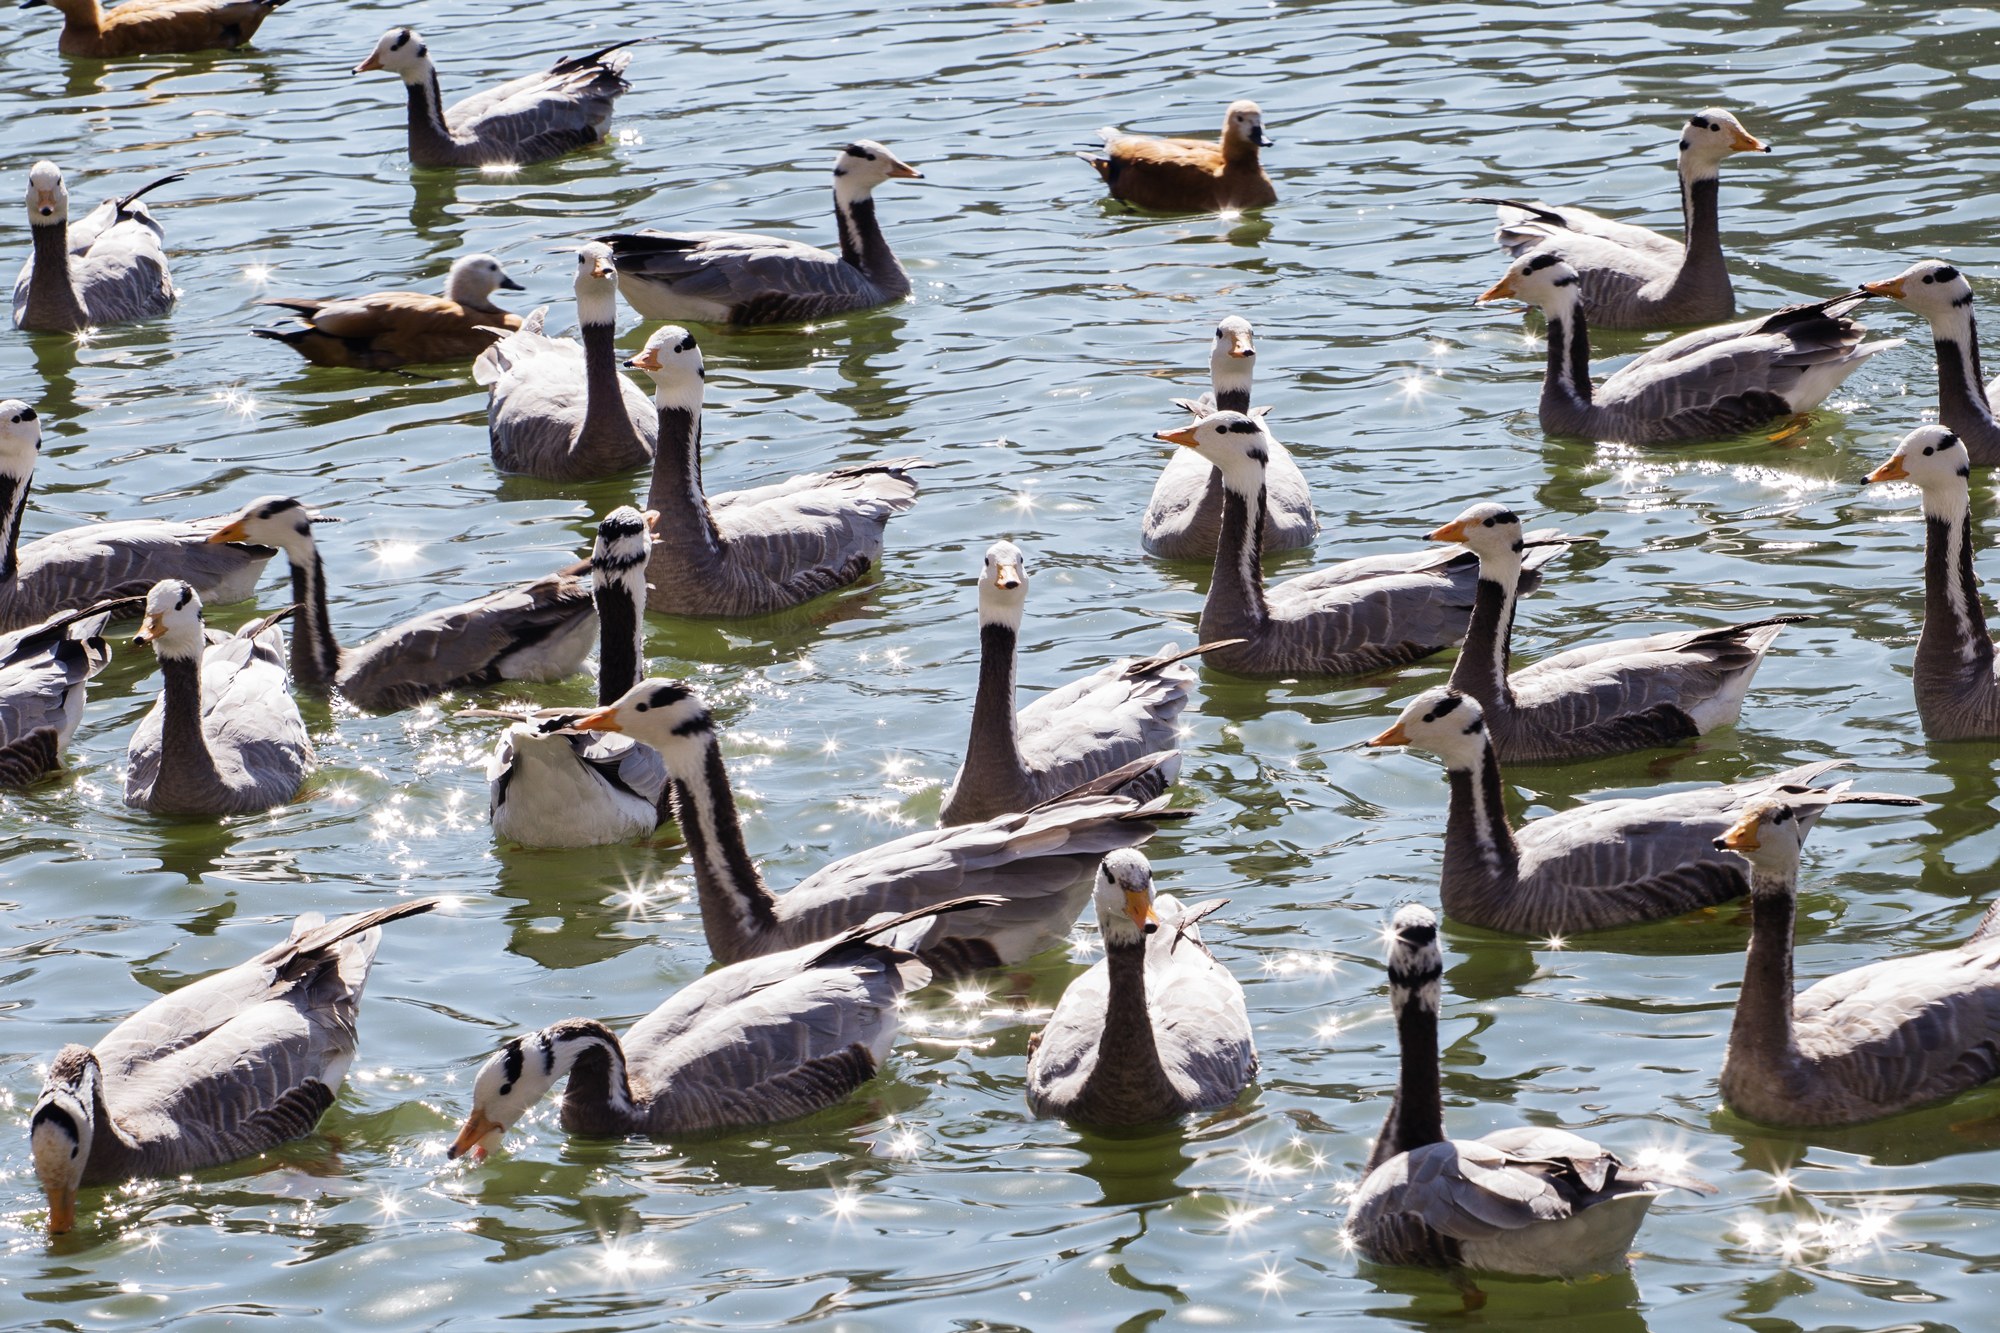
pixel 500 169
pixel 395 553
pixel 257 275
pixel 845 1202
pixel 1270 1278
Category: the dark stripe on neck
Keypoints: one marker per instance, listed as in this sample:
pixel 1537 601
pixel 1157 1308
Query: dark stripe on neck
pixel 620 650
pixel 13 505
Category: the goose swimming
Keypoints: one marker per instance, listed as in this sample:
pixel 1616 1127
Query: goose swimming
pixel 110 268
pixel 43 671
pixel 388 330
pixel 1940 293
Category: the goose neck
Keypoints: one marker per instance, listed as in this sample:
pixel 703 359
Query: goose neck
pixel 864 247
pixel 1566 378
pixel 1416 1112
pixel 1480 855
pixel 598 1098
pixel 185 761
pixel 53 301
pixel 675 493
pixel 315 652
pixel 621 635
pixel 1236 605
pixel 605 417
pixel 1128 1075
pixel 993 749
pixel 1953 640
pixel 1702 263
pixel 1762 1034
pixel 428 128
pixel 13 506
pixel 737 909
pixel 1962 401
pixel 1481 669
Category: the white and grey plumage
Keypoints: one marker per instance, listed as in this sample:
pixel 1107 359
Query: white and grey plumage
pixel 110 268
pixel 1862 1044
pixel 1706 385
pixel 1156 1028
pixel 1114 717
pixel 1956 682
pixel 1359 615
pixel 1632 277
pixel 530 119
pixel 43 671
pixel 1183 520
pixel 757 1042
pixel 756 551
pixel 557 409
pixel 222 1069
pixel 1038 863
pixel 1600 865
pixel 1940 293
pixel 1604 698
pixel 532 631
pixel 225 736
pixel 1532 1201
pixel 733 277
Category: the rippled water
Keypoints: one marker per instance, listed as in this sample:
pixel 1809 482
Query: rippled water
pixel 1046 334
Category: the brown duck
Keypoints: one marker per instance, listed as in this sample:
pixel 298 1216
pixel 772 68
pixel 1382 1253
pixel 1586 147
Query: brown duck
pixel 1189 175
pixel 154 27
pixel 385 330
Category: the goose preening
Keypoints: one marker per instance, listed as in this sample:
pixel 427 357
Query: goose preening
pixel 1156 1028
pixel 530 119
pixel 757 1042
pixel 1705 385
pixel 74 568
pixel 1360 615
pixel 1104 721
pixel 1607 698
pixel 1531 1201
pixel 733 277
pixel 1940 293
pixel 1632 277
pixel 43 671
pixel 1861 1044
pixel 1183 520
pixel 387 330
pixel 752 552
pixel 224 1068
pixel 1189 175
pixel 560 411
pixel 542 630
pixel 156 27
pixel 225 736
pixel 1958 692
pixel 110 268
pixel 1039 862
pixel 1600 865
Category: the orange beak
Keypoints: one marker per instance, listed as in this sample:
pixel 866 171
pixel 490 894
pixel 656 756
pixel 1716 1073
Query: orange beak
pixel 604 719
pixel 472 1136
pixel 370 62
pixel 1183 437
pixel 1240 345
pixel 62 1211
pixel 1893 470
pixel 1393 736
pixel 900 170
pixel 1889 287
pixel 646 360
pixel 1007 577
pixel 229 532
pixel 1500 290
pixel 1742 835
pixel 150 629
pixel 600 268
pixel 1745 142
pixel 1453 531
pixel 1139 906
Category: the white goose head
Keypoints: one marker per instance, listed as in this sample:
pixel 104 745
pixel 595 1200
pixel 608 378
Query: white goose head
pixel 1936 460
pixel 1934 289
pixel 20 439
pixel 274 520
pixel 1769 836
pixel 1003 585
pixel 1244 123
pixel 1540 279
pixel 1416 963
pixel 1713 134
pixel 48 197
pixel 1124 896
pixel 673 358
pixel 61 1130
pixel 596 284
pixel 172 623
pixel 1237 444
pixel 865 164
pixel 665 714
pixel 402 52
pixel 1232 360
pixel 474 278
pixel 517 1076
pixel 618 557
pixel 1491 531
pixel 1448 724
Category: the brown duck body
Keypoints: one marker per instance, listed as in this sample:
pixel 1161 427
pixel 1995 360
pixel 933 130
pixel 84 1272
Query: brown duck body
pixel 1184 175
pixel 385 330
pixel 154 27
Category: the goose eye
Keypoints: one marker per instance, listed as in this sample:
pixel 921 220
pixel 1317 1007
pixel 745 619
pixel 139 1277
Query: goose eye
pixel 640 707
pixel 1928 451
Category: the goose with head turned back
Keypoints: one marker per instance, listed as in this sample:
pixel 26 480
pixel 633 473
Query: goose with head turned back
pixel 541 630
pixel 1115 717
pixel 1858 1045
pixel 110 268
pixel 752 552
pixel 1038 862
pixel 531 119
pixel 43 672
pixel 77 567
pixel 1601 865
pixel 559 411
pixel 1940 293
pixel 1632 277
pixel 225 736
pixel 1957 686
pixel 156 27
pixel 758 1042
pixel 729 277
pixel 222 1069
pixel 1360 615
pixel 1156 1028
pixel 387 330
pixel 1606 698
pixel 1531 1201
pixel 1706 385
pixel 1189 175
pixel 1183 520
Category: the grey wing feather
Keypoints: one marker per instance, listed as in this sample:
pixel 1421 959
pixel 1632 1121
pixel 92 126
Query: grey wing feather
pixel 71 569
pixel 738 277
pixel 536 409
pixel 1906 1030
pixel 545 114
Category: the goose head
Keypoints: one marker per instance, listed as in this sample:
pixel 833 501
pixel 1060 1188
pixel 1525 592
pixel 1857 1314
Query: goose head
pixel 20 439
pixel 624 542
pixel 1540 279
pixel 596 284
pixel 520 1074
pixel 1713 134
pixel 1124 897
pixel 474 278
pixel 1769 836
pixel 402 52
pixel 61 1130
pixel 673 358
pixel 275 520
pixel 1935 459
pixel 1934 289
pixel 1448 724
pixel 172 623
pixel 1232 359
pixel 48 197
pixel 865 164
pixel 1491 531
pixel 1243 122
pixel 1415 961
pixel 1003 585
pixel 1235 443
pixel 665 714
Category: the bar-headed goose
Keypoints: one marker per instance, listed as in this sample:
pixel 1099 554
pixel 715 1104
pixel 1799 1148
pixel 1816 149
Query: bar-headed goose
pixel 43 670
pixel 386 330
pixel 222 1069
pixel 541 630
pixel 1183 520
pixel 560 411
pixel 110 268
pixel 1632 277
pixel 752 552
pixel 156 27
pixel 1039 862
pixel 1607 698
pixel 225 736
pixel 1598 866
pixel 1189 175
pixel 757 1042
pixel 1706 385
pixel 1156 1028
pixel 1532 1201
pixel 1958 691
pixel 530 119
pixel 77 567
pixel 733 277
pixel 1940 293
pixel 1107 720
pixel 1360 615
pixel 1861 1044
